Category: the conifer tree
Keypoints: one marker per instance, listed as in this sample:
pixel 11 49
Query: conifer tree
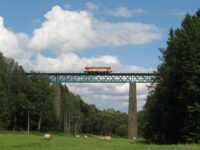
pixel 172 111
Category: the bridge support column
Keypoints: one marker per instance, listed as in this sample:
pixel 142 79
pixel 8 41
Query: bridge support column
pixel 57 88
pixel 132 111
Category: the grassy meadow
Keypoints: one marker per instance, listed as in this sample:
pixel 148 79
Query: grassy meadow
pixel 22 141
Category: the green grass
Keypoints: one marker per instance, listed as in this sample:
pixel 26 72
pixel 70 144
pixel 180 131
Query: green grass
pixel 22 141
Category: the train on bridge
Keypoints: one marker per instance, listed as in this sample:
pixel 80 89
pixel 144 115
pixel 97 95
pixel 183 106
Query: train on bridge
pixel 98 70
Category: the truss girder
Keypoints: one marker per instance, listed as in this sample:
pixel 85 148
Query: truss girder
pixel 100 78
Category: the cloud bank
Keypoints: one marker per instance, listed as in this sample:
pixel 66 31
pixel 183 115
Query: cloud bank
pixel 109 95
pixel 65 32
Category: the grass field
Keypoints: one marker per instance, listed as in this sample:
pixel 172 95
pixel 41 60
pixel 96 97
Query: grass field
pixel 22 141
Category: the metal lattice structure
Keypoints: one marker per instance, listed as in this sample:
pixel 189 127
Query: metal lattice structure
pixel 99 78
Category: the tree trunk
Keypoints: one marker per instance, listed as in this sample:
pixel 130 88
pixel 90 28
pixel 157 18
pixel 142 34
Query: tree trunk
pixel 28 123
pixel 14 122
pixel 68 122
pixel 69 125
pixel 65 122
pixel 66 117
pixel 75 127
pixel 39 121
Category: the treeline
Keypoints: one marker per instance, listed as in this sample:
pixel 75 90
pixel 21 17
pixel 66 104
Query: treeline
pixel 28 103
pixel 172 111
pixel 79 117
pixel 25 103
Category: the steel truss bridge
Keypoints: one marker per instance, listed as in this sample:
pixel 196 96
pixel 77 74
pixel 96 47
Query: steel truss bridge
pixel 131 78
pixel 99 78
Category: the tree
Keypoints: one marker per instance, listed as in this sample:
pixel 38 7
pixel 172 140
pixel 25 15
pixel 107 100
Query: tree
pixel 2 90
pixel 28 103
pixel 172 105
pixel 40 98
pixel 11 92
pixel 17 95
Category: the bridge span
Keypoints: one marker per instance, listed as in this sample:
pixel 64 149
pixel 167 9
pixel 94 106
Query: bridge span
pixel 131 78
pixel 99 78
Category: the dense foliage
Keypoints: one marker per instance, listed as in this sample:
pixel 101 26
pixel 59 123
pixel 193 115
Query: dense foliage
pixel 28 103
pixel 79 117
pixel 24 102
pixel 172 111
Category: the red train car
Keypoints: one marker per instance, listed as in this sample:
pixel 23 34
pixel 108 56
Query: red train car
pixel 100 70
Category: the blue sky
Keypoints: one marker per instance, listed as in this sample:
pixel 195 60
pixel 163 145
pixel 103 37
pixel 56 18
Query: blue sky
pixel 67 35
pixel 25 16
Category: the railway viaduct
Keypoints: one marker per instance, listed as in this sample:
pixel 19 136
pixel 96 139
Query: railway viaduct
pixel 132 78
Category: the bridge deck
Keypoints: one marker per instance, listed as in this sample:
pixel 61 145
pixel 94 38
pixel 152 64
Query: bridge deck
pixel 99 78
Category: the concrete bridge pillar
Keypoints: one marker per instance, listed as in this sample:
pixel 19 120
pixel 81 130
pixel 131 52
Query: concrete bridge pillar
pixel 57 88
pixel 132 111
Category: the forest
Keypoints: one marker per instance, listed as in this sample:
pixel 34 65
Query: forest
pixel 172 111
pixel 28 103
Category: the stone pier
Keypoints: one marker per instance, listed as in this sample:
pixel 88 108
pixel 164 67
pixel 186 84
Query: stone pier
pixel 57 87
pixel 132 111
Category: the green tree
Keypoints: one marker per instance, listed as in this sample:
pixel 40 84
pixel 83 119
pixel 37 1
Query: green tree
pixel 172 105
pixel 39 106
pixel 28 103
pixel 17 95
pixel 2 90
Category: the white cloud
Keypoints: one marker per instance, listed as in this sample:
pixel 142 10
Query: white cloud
pixel 125 33
pixel 72 62
pixel 67 31
pixel 92 6
pixel 63 30
pixel 13 45
pixel 72 31
pixel 125 12
pixel 109 95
